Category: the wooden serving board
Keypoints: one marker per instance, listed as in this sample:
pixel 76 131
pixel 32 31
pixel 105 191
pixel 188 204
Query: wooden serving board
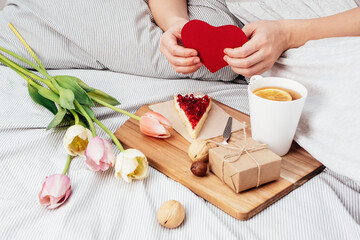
pixel 170 157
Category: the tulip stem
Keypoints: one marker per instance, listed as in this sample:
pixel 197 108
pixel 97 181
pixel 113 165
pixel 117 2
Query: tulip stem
pixel 40 70
pixel 14 66
pixel 50 81
pixel 26 45
pixel 116 109
pixel 88 119
pixel 66 168
pixel 116 141
pixel 76 116
pixel 25 71
pixel 4 60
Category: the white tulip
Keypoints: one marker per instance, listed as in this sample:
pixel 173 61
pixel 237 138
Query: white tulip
pixel 131 164
pixel 76 140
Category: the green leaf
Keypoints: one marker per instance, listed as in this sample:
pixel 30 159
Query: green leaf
pixel 70 83
pixel 87 110
pixel 83 85
pixel 100 95
pixel 66 98
pixel 57 119
pixel 46 93
pixel 34 94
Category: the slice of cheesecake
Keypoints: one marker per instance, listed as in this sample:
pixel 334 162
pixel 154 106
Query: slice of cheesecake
pixel 193 111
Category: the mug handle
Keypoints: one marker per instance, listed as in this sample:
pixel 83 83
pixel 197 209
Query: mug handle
pixel 255 77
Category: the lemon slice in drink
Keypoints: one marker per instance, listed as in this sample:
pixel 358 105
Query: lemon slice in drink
pixel 273 94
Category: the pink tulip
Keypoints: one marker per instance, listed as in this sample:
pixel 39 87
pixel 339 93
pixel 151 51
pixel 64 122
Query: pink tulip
pixel 99 154
pixel 55 190
pixel 155 125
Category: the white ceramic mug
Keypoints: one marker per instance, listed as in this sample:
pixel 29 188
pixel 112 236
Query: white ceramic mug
pixel 274 122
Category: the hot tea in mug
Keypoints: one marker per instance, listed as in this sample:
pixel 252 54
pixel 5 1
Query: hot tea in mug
pixel 274 122
pixel 277 94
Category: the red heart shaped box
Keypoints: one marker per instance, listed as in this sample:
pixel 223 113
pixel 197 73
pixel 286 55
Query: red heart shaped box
pixel 211 41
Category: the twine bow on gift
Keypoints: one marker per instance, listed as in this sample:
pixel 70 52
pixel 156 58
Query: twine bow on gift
pixel 234 157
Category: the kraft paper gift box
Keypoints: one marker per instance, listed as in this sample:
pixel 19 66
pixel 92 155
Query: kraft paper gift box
pixel 244 164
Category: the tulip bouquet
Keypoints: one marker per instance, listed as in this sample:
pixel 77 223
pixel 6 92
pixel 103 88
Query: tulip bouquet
pixel 71 101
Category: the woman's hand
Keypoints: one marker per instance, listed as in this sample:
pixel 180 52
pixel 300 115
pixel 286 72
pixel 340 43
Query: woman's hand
pixel 183 60
pixel 267 41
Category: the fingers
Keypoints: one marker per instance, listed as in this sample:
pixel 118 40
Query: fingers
pixel 250 47
pixel 265 45
pixel 169 43
pixel 180 61
pixel 183 60
pixel 246 50
pixel 183 65
pixel 179 51
pixel 256 69
pixel 248 29
pixel 187 69
pixel 245 62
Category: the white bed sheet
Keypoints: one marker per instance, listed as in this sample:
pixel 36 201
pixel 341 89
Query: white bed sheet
pixel 102 207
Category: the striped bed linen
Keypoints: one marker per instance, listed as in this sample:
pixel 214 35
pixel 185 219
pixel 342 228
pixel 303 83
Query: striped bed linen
pixel 121 37
pixel 102 207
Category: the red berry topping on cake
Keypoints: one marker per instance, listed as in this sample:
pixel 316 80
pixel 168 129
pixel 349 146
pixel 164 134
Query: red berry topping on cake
pixel 193 111
pixel 194 107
